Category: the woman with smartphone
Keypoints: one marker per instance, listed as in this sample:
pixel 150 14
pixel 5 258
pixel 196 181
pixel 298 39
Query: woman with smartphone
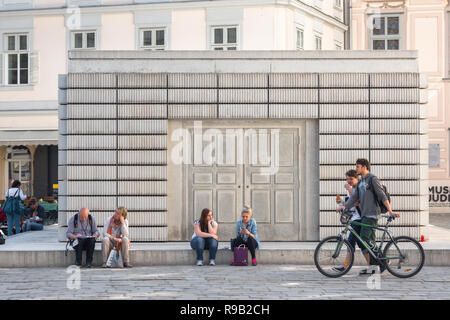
pixel 247 233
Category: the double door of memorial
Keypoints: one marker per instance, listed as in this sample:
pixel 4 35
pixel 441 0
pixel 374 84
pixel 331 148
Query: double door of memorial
pixel 254 166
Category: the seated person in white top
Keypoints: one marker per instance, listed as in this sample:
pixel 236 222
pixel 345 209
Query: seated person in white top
pixel 115 234
pixel 205 237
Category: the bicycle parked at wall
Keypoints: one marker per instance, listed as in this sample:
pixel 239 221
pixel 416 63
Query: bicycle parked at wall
pixel 402 256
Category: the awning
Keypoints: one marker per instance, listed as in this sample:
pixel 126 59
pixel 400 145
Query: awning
pixel 28 137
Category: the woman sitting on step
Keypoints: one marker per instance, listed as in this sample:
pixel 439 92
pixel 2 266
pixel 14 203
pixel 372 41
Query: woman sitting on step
pixel 247 233
pixel 205 237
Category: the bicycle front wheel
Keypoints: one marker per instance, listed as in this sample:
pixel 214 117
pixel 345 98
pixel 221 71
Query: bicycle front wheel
pixel 333 257
pixel 404 257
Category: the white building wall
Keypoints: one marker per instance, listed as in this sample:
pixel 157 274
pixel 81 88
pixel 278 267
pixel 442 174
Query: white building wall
pixel 188 36
pixel 118 31
pixel 426 28
pixel 262 25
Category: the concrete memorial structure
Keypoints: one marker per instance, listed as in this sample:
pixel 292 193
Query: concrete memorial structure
pixel 166 134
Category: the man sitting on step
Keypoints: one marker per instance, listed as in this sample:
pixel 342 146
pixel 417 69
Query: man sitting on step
pixel 82 228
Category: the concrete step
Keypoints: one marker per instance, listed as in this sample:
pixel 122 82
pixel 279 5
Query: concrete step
pixel 41 249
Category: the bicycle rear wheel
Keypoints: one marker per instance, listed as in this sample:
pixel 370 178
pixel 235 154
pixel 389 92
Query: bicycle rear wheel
pixel 330 266
pixel 408 261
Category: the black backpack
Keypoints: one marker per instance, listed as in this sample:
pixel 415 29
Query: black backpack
pixel 383 208
pixel 75 221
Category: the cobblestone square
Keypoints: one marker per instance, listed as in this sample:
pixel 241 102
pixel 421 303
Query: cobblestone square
pixel 219 282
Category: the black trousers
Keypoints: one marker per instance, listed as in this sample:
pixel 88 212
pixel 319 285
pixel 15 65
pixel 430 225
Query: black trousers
pixel 250 243
pixel 87 244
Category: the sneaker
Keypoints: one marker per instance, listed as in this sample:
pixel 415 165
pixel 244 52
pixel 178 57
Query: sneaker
pixel 199 262
pixel 367 271
pixel 254 262
pixel 232 263
pixel 127 265
pixel 104 265
pixel 338 269
pixel 212 262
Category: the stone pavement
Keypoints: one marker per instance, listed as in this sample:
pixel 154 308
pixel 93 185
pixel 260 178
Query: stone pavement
pixel 219 282
pixel 441 220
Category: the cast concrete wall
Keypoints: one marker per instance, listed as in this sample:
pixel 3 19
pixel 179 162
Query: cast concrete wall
pixel 115 107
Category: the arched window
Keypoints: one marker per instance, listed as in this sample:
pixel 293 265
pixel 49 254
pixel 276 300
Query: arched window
pixel 19 166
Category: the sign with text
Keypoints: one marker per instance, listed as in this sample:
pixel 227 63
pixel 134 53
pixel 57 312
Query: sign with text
pixel 439 194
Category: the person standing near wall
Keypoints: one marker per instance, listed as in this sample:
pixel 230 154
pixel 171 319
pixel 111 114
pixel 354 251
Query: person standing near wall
pixel 14 196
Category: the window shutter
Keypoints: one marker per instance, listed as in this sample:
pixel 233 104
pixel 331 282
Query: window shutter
pixel 34 67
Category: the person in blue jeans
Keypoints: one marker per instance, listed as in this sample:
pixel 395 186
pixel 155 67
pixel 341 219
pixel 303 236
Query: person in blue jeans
pixel 205 237
pixel 352 181
pixel 35 215
pixel 13 218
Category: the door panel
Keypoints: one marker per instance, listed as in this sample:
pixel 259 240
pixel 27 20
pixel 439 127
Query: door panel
pixel 226 212
pixel 261 204
pixel 241 176
pixel 284 206
pixel 223 178
pixel 273 197
pixel 203 198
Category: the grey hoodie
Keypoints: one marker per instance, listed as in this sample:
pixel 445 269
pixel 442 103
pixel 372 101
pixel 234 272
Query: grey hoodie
pixel 367 201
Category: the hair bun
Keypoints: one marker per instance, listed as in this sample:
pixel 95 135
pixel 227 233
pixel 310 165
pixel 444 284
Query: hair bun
pixel 246 209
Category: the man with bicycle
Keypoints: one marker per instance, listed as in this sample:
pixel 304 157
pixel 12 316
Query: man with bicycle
pixel 370 210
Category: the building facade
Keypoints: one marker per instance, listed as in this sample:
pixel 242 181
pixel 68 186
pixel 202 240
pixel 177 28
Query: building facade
pixel 422 25
pixel 168 134
pixel 37 34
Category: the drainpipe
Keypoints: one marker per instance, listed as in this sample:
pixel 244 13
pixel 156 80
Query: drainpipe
pixel 347 22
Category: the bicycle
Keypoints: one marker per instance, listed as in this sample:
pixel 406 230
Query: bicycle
pixel 402 256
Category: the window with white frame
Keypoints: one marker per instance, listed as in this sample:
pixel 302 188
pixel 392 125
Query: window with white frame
pixel 385 33
pixel 17 59
pixel 224 38
pixel 318 42
pixel 153 39
pixel 300 38
pixel 84 40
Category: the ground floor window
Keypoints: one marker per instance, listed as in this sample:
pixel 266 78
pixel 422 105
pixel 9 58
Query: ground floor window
pixel 19 166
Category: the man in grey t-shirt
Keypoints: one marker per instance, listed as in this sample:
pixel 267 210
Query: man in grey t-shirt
pixel 367 191
pixel 84 233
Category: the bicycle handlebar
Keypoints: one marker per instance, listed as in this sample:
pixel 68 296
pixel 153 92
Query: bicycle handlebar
pixel 388 216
